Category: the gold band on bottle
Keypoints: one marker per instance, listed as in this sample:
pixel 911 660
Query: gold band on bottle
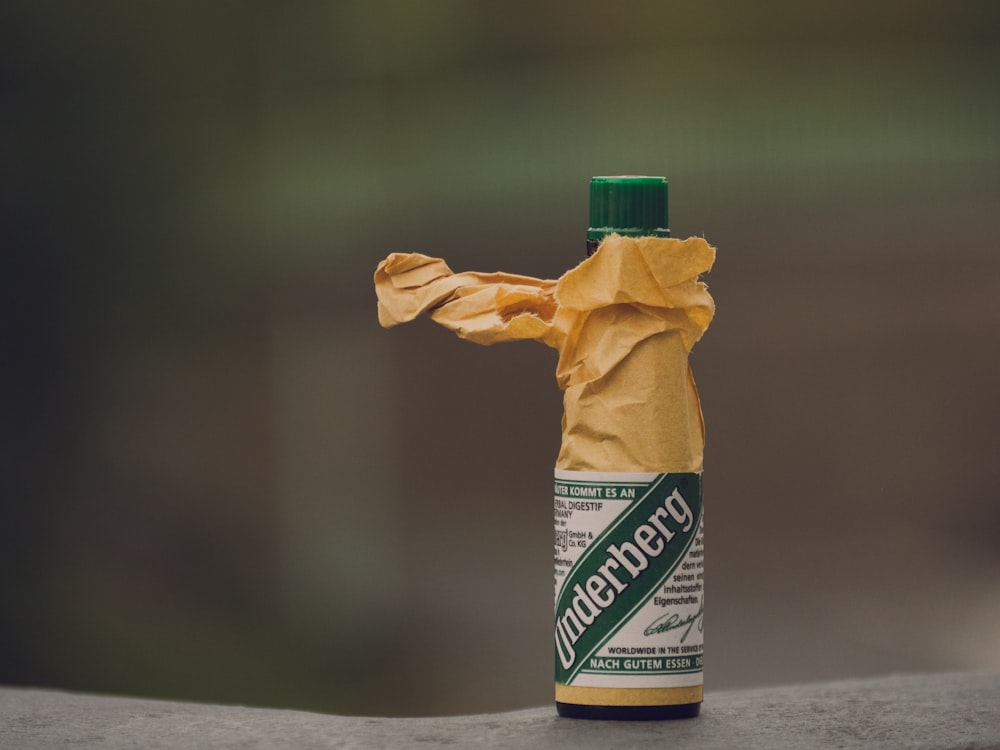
pixel 597 696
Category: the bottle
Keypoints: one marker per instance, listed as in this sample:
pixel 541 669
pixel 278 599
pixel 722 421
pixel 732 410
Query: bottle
pixel 647 664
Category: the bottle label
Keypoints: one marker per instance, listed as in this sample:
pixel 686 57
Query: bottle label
pixel 629 579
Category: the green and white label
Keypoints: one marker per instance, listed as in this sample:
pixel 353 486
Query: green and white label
pixel 629 579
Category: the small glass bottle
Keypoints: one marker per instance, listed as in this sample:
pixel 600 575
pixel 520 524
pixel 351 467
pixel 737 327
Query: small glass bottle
pixel 634 206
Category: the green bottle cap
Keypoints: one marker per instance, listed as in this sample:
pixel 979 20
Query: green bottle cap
pixel 631 205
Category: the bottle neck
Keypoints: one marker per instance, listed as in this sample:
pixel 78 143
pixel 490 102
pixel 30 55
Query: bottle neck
pixel 592 245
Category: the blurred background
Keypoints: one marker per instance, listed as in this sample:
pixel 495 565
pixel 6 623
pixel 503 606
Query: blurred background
pixel 222 481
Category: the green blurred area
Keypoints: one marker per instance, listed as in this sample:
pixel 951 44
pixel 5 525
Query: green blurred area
pixel 222 481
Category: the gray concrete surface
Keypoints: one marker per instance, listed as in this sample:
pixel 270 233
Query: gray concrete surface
pixel 914 711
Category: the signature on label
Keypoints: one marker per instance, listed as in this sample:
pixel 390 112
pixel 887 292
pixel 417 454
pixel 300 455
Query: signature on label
pixel 673 621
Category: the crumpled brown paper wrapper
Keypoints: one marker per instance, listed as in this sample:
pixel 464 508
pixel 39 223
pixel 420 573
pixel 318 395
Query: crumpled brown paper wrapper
pixel 623 322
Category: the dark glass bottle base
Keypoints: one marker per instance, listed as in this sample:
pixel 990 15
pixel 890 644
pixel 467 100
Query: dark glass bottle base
pixel 628 713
